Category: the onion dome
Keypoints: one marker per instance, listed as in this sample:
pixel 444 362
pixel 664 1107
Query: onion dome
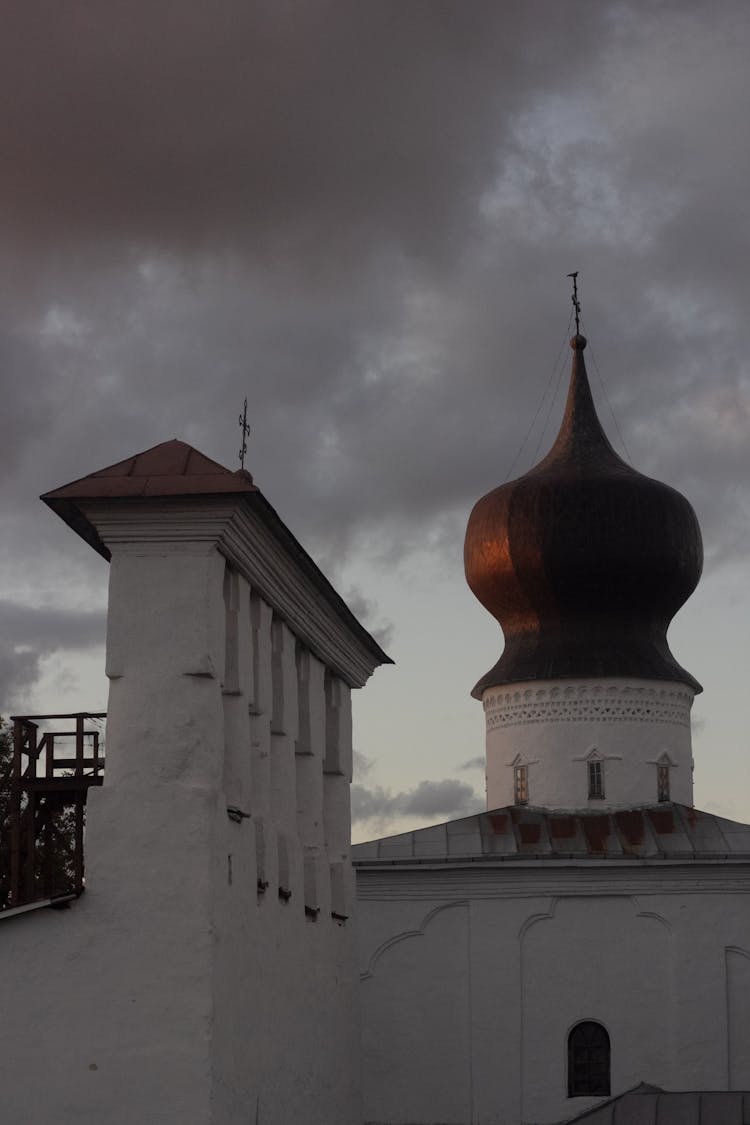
pixel 583 561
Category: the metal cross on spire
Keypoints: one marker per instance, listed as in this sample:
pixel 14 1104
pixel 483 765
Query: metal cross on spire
pixel 245 431
pixel 576 302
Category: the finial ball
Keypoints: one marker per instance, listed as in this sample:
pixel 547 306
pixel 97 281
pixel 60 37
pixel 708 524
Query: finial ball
pixel 578 342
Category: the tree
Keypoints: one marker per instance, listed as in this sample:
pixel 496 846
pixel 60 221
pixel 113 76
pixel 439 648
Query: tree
pixel 54 832
pixel 6 769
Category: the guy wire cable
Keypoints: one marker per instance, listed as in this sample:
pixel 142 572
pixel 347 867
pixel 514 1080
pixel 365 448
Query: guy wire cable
pixel 541 401
pixel 609 403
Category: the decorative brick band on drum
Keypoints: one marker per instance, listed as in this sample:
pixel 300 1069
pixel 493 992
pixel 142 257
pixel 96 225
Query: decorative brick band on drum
pixel 608 703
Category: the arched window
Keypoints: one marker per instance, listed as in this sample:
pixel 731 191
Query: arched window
pixel 588 1060
pixel 596 779
pixel 521 785
pixel 662 779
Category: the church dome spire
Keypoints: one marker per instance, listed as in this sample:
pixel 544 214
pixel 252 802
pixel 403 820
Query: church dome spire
pixel 583 560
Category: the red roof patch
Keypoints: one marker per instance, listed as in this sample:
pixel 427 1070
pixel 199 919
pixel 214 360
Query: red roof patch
pixel 630 824
pixel 562 827
pixel 172 468
pixel 530 833
pixel 662 820
pixel 596 831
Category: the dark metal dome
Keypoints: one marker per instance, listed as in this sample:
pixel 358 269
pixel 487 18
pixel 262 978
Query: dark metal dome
pixel 583 561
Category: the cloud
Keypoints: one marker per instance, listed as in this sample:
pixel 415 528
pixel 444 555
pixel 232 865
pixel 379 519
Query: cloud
pixel 322 128
pixel 473 764
pixel 361 217
pixel 362 764
pixel 446 799
pixel 30 633
pixel 367 612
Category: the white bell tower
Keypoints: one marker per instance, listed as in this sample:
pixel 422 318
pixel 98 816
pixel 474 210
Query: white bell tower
pixel 584 561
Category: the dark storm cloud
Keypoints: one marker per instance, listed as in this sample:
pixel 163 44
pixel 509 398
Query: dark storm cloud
pixel 361 215
pixel 446 799
pixel 273 123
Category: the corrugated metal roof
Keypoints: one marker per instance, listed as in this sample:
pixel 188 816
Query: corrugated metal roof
pixel 648 1105
pixel 664 831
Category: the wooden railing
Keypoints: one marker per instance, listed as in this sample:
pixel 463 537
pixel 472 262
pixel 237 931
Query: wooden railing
pixel 43 791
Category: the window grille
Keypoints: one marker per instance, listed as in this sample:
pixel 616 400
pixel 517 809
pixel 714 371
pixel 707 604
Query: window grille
pixel 662 774
pixel 588 1060
pixel 521 784
pixel 596 781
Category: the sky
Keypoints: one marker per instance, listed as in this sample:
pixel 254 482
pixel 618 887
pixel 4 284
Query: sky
pixel 360 215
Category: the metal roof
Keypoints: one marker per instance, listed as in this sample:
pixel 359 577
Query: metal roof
pixel 648 1105
pixel 664 831
pixel 583 560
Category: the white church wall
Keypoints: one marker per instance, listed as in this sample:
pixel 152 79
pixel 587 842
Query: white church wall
pixel 535 950
pixel 284 988
pixel 738 1016
pixel 182 988
pixel 554 730
pixel 109 1003
pixel 593 958
pixel 425 1059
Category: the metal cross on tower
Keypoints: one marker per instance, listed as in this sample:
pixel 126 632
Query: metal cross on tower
pixel 245 431
pixel 576 302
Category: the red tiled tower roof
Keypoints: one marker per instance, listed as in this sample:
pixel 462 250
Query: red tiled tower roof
pixel 172 468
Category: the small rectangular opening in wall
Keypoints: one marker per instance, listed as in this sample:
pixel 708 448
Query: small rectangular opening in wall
pixel 277 676
pixel 285 890
pixel 339 903
pixel 231 684
pixel 303 744
pixel 260 856
pixel 312 905
pixel 254 678
pixel 332 686
pixel 662 782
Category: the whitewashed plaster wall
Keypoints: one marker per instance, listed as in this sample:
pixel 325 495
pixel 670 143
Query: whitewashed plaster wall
pixel 285 983
pixel 471 981
pixel 190 985
pixel 555 729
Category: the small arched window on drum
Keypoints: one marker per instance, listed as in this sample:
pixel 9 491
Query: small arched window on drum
pixel 521 785
pixel 588 1060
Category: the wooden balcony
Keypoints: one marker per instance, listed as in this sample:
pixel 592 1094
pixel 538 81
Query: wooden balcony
pixel 44 783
